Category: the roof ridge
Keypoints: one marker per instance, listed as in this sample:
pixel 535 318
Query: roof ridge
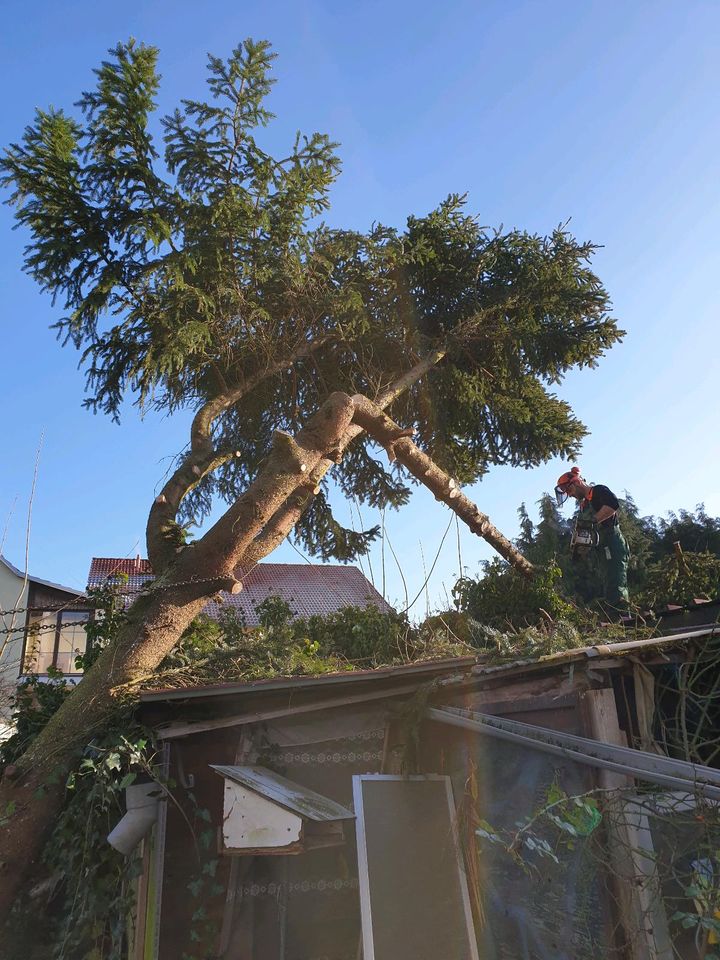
pixel 45 583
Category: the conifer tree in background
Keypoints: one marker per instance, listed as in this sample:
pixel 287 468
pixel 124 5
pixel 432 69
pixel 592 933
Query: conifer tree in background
pixel 673 560
pixel 192 271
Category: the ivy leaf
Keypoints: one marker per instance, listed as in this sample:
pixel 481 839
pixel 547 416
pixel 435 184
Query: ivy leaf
pixel 195 886
pixel 485 831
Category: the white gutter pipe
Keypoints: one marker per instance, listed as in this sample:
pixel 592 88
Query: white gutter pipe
pixel 141 801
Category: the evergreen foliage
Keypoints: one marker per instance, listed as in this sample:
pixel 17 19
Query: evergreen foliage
pixel 682 579
pixel 502 599
pixel 190 263
pixel 351 638
pixel 694 530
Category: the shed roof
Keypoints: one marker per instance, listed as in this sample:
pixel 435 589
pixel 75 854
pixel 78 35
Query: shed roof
pixel 288 794
pixel 309 589
pixel 420 669
pixel 597 651
pixel 459 667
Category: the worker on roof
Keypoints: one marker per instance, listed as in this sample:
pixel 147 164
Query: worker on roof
pixel 613 546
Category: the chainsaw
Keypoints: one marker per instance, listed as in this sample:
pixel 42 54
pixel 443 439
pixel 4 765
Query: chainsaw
pixel 583 538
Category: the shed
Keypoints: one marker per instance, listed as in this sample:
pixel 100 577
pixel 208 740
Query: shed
pixel 503 737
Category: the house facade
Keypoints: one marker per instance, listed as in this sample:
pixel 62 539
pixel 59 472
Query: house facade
pixel 43 628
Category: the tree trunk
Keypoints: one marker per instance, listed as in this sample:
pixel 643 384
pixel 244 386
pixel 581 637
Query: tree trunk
pixel 31 793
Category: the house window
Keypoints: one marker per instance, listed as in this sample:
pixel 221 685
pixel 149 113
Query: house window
pixel 54 638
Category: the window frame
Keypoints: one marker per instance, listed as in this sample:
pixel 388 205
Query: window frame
pixel 636 812
pixel 24 672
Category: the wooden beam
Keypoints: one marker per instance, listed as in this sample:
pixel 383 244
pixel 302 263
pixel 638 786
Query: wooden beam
pixel 188 729
pixel 634 878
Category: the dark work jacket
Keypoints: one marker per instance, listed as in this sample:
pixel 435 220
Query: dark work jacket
pixel 601 496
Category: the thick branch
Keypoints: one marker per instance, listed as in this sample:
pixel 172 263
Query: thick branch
pixel 203 458
pixel 200 431
pixel 407 380
pixel 284 519
pixel 290 464
pixel 288 514
pixel 370 417
pixel 161 545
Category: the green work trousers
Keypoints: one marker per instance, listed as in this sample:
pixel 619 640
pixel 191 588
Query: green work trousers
pixel 614 555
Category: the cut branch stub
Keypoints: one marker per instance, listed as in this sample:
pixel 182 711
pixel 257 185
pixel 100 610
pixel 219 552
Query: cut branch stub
pixel 285 444
pixel 397 435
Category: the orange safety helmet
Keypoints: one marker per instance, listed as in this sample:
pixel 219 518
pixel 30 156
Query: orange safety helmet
pixel 564 482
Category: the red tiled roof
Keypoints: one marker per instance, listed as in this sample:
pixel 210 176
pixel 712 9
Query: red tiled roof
pixel 308 589
pixel 103 567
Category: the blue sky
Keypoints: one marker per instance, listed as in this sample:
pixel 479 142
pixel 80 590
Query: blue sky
pixel 602 112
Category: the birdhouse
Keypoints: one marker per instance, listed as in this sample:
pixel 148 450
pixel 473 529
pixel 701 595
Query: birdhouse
pixel 265 814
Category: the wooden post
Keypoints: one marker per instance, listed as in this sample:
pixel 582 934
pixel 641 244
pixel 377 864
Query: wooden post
pixel 635 879
pixel 137 946
pixel 237 929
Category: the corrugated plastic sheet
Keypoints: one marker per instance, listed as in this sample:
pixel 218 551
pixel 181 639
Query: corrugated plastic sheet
pixel 309 589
